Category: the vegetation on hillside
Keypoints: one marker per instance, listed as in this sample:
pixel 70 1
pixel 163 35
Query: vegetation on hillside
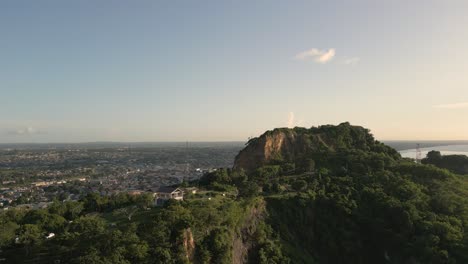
pixel 454 163
pixel 99 230
pixel 344 198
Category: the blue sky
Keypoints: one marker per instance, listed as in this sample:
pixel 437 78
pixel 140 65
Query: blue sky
pixel 227 70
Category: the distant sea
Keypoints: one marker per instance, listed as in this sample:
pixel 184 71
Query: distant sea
pixel 407 148
pixel 444 150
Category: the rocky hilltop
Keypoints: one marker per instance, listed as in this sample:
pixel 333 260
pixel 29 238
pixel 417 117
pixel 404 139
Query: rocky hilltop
pixel 321 195
pixel 290 145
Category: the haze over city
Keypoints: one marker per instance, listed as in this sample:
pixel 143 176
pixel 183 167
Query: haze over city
pixel 225 71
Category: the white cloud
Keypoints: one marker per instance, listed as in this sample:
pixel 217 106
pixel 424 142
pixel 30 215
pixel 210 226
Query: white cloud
pixel 24 131
pixel 351 61
pixel 291 121
pixel 319 56
pixel 452 106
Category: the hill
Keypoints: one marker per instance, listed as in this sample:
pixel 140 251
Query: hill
pixel 294 145
pixel 328 194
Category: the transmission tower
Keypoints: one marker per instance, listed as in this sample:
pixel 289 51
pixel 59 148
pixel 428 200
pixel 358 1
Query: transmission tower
pixel 418 153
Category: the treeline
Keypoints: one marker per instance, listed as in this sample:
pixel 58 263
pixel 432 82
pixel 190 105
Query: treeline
pixel 359 202
pixel 454 163
pixel 73 231
pixel 123 229
pixel 406 213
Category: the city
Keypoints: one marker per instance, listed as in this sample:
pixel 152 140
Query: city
pixel 33 176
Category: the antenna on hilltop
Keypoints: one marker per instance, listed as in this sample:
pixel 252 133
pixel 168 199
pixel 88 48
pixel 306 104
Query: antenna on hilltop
pixel 418 153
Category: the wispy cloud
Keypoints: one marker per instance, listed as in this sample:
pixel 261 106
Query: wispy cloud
pixel 452 106
pixel 351 61
pixel 319 56
pixel 24 131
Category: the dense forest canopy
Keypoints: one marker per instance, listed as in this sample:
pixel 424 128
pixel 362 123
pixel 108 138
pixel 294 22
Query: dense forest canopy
pixel 454 163
pixel 330 194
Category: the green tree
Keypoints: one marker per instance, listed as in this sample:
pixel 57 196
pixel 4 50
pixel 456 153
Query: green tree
pixel 7 233
pixel 29 236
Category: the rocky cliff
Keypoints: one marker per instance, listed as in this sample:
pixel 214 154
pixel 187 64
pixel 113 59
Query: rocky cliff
pixel 279 144
pixel 289 145
pixel 244 241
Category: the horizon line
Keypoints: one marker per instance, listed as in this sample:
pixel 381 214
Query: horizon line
pixel 204 141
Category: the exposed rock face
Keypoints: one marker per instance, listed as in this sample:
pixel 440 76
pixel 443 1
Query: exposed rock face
pixel 279 144
pixel 189 244
pixel 290 145
pixel 245 241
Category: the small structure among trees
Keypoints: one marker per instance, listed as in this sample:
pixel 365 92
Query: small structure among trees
pixel 163 194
